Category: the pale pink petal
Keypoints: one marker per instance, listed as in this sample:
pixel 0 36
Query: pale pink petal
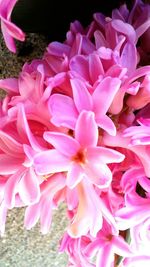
pixel 105 257
pixel 63 111
pixel 46 215
pixel 50 161
pixel 137 261
pixel 11 188
pixel 82 97
pixel 106 124
pixel 32 215
pixel 88 204
pixel 86 131
pixel 130 216
pixel 75 175
pixel 28 187
pixel 121 247
pixel 104 154
pixel 106 90
pixel 3 215
pixel 98 174
pixel 65 144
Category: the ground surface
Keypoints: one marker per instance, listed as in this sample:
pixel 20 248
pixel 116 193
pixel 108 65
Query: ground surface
pixel 19 247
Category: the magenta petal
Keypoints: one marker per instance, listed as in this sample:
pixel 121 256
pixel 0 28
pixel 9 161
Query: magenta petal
pixel 82 97
pixel 28 187
pixel 86 131
pixel 8 38
pixel 50 161
pixel 63 111
pixel 65 144
pixel 10 85
pixel 24 130
pixel 13 30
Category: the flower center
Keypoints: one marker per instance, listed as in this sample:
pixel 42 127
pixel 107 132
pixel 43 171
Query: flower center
pixel 79 157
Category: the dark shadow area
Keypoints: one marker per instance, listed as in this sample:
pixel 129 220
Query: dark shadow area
pixel 53 17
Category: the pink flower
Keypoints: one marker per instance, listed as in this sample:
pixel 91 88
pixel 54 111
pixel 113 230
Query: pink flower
pixel 17 148
pixel 140 135
pixel 65 110
pixel 80 156
pixel 135 210
pixel 9 29
pixel 90 204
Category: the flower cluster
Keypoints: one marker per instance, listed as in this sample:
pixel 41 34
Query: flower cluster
pixel 75 128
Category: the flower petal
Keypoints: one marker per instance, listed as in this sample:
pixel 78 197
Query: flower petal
pixel 28 187
pixel 63 111
pixel 32 215
pixel 121 247
pixel 106 124
pixel 82 97
pixel 86 131
pixel 50 161
pixel 99 174
pixel 104 154
pixel 74 175
pixel 104 95
pixel 9 165
pixel 65 144
pixel 11 188
pixel 105 257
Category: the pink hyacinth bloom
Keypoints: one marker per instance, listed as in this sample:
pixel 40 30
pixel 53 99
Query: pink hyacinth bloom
pixel 135 210
pixel 65 110
pixel 141 151
pixel 106 245
pixel 9 29
pixel 17 148
pixel 80 156
pixel 90 203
